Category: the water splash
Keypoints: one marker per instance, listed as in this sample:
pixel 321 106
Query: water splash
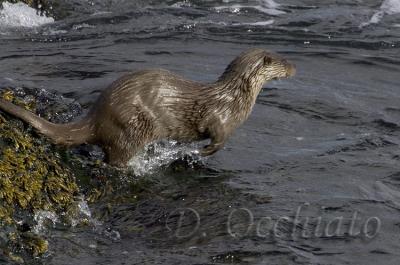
pixel 42 218
pixel 160 154
pixel 21 15
pixel 84 213
pixel 391 7
pixel 47 219
pixel 388 7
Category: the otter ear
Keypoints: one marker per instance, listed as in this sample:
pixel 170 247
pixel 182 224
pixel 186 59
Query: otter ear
pixel 267 60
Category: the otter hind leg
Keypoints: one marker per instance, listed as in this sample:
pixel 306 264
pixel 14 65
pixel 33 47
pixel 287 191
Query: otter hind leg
pixel 119 156
pixel 124 136
pixel 118 153
pixel 119 149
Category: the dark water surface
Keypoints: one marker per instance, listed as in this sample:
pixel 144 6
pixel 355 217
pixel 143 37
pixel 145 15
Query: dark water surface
pixel 326 141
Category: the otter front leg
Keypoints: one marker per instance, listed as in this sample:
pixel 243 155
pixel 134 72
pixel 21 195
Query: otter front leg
pixel 218 137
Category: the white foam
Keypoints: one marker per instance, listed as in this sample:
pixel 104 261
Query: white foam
pixel 238 8
pixel 182 4
pixel 82 26
pixel 41 217
pixel 391 7
pixel 84 208
pixel 83 213
pixel 21 15
pixel 269 7
pixel 259 23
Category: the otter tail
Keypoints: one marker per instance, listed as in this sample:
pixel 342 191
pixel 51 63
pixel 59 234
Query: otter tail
pixel 73 133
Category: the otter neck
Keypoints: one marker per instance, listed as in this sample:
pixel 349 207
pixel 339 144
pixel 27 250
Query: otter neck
pixel 240 91
pixel 247 83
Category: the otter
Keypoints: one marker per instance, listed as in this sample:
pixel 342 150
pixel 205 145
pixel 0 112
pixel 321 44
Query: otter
pixel 149 105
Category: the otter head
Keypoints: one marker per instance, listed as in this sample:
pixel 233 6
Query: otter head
pixel 275 67
pixel 256 66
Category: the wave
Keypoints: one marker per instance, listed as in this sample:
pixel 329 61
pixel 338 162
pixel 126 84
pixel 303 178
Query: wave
pixel 388 7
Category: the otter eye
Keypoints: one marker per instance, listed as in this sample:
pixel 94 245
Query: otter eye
pixel 267 60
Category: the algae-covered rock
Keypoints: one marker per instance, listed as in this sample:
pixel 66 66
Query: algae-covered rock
pixel 42 185
pixel 32 178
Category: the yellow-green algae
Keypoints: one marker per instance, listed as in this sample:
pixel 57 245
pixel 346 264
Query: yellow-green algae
pixel 32 178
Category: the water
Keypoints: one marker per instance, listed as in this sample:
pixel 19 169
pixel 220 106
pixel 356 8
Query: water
pixel 326 141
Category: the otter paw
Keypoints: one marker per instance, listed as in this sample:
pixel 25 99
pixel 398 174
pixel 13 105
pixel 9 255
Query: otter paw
pixel 208 150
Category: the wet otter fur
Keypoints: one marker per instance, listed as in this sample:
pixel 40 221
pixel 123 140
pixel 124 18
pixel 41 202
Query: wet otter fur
pixel 150 105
